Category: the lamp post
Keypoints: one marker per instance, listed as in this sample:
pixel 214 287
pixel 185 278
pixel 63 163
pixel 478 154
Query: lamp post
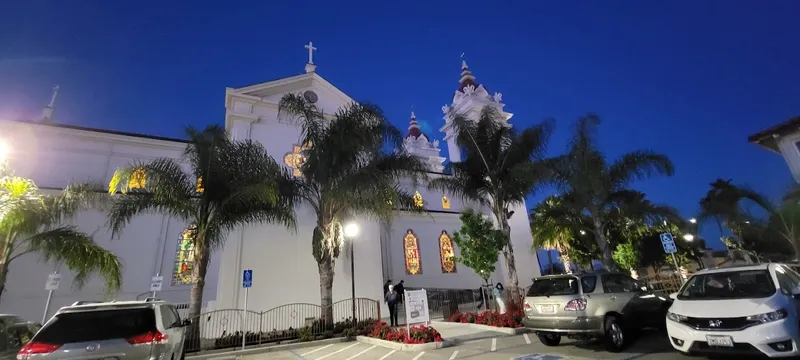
pixel 350 232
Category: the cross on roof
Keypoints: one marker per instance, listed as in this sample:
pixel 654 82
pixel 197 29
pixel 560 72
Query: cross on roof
pixel 311 50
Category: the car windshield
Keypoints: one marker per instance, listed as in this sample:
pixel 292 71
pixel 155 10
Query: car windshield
pixel 747 284
pixel 97 325
pixel 554 286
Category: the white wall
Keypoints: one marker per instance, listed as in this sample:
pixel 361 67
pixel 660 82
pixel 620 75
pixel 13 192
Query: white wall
pixel 54 157
pixel 790 153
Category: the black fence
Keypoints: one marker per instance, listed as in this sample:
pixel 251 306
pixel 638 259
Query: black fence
pixel 221 329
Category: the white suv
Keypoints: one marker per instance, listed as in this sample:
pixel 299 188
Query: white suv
pixel 743 310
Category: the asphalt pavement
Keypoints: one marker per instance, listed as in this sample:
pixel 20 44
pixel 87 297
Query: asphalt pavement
pixel 651 346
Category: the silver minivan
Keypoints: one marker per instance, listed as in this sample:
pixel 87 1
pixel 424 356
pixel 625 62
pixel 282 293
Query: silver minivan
pixel 149 329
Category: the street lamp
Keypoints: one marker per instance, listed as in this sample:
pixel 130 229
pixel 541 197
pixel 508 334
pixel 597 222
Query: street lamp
pixel 693 221
pixel 583 232
pixel 688 237
pixel 350 232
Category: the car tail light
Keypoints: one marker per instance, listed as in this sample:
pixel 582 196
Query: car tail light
pixel 152 337
pixel 576 305
pixel 34 347
pixel 527 306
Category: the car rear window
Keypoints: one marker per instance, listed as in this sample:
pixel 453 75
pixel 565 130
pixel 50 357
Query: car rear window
pixel 97 325
pixel 554 286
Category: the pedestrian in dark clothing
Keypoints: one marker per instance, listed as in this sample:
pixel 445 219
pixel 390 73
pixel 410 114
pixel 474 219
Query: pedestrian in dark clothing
pixel 391 301
pixel 400 289
pixel 386 286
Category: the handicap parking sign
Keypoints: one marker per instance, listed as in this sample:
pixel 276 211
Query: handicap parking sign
pixel 668 243
pixel 247 278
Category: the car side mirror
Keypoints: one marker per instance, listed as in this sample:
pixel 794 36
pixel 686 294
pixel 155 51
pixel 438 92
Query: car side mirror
pixel 673 296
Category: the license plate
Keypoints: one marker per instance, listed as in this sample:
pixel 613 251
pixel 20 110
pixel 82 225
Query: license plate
pixel 719 341
pixel 547 309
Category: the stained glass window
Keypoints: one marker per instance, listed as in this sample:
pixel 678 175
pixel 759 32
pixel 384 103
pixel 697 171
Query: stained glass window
pixel 418 202
pixel 199 186
pixel 184 257
pixel 447 253
pixel 411 250
pixel 138 179
pixel 445 202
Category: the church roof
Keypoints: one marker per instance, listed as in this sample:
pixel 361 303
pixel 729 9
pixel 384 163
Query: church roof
pixel 413 127
pixel 767 138
pixel 466 77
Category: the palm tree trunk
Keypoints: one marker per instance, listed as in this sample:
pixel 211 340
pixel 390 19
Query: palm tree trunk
pixel 201 258
pixel 565 262
pixel 3 274
pixel 326 289
pixel 508 251
pixel 602 243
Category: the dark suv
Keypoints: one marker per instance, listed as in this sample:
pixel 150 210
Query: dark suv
pixel 606 305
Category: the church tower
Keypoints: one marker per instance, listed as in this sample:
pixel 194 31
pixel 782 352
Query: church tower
pixel 417 143
pixel 469 99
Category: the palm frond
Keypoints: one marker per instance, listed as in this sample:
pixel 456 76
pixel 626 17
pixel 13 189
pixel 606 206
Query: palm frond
pixel 79 253
pixel 639 165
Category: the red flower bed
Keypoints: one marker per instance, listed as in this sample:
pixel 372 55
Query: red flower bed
pixel 511 319
pixel 420 334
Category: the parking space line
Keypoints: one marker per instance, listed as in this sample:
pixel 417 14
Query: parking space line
pixel 527 339
pixel 337 351
pixel 361 353
pixel 387 355
pixel 455 354
pixel 494 344
pixel 418 356
pixel 317 349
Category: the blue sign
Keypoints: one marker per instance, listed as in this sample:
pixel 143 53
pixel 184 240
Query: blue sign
pixel 247 279
pixel 668 243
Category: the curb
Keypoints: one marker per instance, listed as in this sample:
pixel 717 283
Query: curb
pixel 260 349
pixel 504 330
pixel 404 347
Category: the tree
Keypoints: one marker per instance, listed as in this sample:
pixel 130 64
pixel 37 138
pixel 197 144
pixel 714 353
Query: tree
pixel 554 227
pixel 346 174
pixel 229 184
pixel 597 188
pixel 500 168
pixel 32 222
pixel 626 256
pixel 479 243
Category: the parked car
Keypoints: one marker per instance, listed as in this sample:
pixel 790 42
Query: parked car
pixel 149 329
pixel 741 310
pixel 15 332
pixel 606 305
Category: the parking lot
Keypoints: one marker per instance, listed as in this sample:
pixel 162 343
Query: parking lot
pixel 651 346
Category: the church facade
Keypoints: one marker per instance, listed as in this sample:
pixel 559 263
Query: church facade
pixel 414 248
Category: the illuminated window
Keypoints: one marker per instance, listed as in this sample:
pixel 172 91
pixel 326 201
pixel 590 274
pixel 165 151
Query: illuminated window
pixel 418 202
pixel 445 202
pixel 199 187
pixel 184 257
pixel 138 179
pixel 447 253
pixel 411 247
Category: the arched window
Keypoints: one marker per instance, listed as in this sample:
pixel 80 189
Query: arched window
pixel 411 251
pixel 184 257
pixel 418 202
pixel 138 179
pixel 447 253
pixel 445 202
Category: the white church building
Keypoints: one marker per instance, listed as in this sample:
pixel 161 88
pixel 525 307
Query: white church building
pixel 413 248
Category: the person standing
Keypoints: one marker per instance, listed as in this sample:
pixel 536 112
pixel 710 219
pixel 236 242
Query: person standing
pixel 391 301
pixel 498 298
pixel 400 288
pixel 386 286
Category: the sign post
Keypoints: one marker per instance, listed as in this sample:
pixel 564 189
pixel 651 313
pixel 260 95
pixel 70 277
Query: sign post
pixel 155 284
pixel 247 283
pixel 53 280
pixel 668 243
pixel 416 304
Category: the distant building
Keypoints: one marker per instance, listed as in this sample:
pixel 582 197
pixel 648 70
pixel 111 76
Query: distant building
pixel 783 138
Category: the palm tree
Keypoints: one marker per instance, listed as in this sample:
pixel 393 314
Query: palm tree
pixel 500 168
pixel 553 227
pixel 726 203
pixel 346 174
pixel 229 184
pixel 32 222
pixel 597 188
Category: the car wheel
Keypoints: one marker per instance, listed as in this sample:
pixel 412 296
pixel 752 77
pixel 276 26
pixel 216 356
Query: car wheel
pixel 614 336
pixel 550 339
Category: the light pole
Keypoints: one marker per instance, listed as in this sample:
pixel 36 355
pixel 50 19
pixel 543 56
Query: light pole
pixel 350 232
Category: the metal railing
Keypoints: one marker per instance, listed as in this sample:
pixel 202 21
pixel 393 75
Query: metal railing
pixel 663 284
pixel 222 329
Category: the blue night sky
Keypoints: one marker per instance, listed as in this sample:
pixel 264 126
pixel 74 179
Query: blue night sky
pixel 690 79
